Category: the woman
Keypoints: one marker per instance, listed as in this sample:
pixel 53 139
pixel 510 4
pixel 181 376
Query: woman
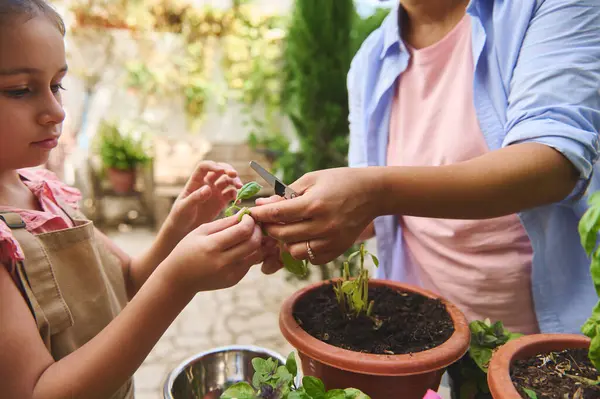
pixel 473 141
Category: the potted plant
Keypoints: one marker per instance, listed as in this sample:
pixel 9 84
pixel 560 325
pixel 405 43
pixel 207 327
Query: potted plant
pixel 121 153
pixel 469 375
pixel 555 365
pixel 271 381
pixel 382 337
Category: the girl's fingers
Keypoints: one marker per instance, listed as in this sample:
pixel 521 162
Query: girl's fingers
pixel 221 225
pixel 223 181
pixel 198 175
pixel 244 247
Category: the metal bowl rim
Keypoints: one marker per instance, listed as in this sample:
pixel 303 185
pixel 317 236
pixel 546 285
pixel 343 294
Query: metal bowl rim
pixel 173 374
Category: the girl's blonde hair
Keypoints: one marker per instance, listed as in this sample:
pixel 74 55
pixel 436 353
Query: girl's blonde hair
pixel 11 10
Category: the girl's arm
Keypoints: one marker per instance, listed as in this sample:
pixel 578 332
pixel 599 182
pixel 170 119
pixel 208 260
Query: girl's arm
pixel 136 270
pixel 217 255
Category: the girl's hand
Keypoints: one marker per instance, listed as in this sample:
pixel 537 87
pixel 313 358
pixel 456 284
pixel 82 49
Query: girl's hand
pixel 212 186
pixel 333 208
pixel 215 255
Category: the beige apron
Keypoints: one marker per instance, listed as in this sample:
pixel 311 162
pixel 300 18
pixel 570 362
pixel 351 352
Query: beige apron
pixel 74 284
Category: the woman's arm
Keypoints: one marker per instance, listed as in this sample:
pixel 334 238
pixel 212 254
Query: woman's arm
pixel 337 205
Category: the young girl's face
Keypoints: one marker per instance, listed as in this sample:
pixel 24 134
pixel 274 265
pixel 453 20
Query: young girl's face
pixel 32 66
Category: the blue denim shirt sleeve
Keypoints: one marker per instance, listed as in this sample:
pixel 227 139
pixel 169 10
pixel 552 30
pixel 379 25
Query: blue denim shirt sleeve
pixel 356 81
pixel 357 156
pixel 554 95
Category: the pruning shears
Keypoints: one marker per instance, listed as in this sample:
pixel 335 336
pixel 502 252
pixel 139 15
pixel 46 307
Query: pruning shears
pixel 280 188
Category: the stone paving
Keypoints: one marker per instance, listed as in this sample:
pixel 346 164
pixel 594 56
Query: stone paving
pixel 244 314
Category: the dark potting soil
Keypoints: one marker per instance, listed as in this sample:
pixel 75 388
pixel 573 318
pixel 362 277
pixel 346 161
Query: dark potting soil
pixel 401 322
pixel 556 375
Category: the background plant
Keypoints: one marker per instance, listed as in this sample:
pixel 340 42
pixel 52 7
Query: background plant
pixel 119 148
pixel 486 338
pixel 272 381
pixel 320 42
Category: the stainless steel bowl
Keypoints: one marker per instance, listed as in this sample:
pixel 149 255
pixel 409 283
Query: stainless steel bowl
pixel 207 374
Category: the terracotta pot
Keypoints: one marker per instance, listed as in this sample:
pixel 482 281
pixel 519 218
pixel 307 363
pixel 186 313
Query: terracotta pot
pixel 122 181
pixel 501 385
pixel 379 376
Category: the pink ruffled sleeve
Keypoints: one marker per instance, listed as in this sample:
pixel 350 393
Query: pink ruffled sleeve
pixel 10 251
pixel 70 195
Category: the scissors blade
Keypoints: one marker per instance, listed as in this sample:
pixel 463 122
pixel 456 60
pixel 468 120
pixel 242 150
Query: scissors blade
pixel 280 188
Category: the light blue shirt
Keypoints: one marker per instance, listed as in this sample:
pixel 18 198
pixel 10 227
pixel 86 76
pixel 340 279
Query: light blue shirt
pixel 537 79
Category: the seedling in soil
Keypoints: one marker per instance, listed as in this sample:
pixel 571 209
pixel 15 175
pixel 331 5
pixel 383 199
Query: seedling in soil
pixel 353 294
pixel 249 190
pixel 271 381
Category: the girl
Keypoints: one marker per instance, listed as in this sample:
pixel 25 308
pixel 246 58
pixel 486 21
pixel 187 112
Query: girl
pixel 67 329
pixel 474 141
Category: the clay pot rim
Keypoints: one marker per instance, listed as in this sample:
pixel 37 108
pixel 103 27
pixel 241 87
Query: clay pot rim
pixel 429 360
pixel 499 380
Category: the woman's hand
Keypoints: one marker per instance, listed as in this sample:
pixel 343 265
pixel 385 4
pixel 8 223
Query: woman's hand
pixel 333 208
pixel 210 188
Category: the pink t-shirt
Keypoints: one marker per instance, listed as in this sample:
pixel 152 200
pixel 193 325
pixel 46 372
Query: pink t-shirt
pixel 483 266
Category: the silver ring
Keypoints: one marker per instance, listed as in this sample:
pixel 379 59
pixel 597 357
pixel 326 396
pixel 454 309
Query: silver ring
pixel 311 255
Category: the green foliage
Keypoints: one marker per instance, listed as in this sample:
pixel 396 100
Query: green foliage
pixel 317 56
pixel 271 381
pixel 119 148
pixel 530 393
pixel 589 225
pixel 353 294
pixel 319 44
pixel 486 338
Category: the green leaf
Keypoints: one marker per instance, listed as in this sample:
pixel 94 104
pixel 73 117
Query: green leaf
pixel 230 211
pixel 291 364
pixel 313 386
pixel 595 270
pixel 260 365
pixel 295 266
pixel 258 379
pixel 243 211
pixel 283 375
pixel 241 390
pixel 335 394
pixel 348 286
pixel 481 356
pixel 589 226
pixel 375 260
pixel 353 393
pixel 272 365
pixel 353 255
pixel 530 393
pixel 248 191
pixel 298 395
